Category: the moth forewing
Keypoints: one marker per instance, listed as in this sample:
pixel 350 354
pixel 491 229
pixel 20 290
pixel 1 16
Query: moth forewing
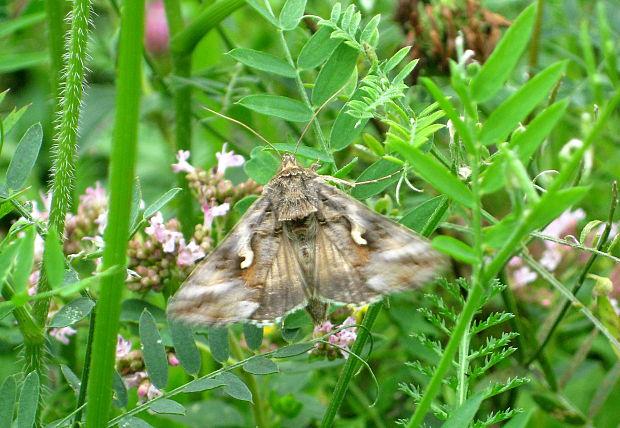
pixel 303 243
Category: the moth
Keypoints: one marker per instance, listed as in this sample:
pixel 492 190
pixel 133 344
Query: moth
pixel 303 243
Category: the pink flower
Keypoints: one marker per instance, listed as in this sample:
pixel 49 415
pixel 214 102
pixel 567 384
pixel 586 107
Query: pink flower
pixel 564 224
pixel 123 347
pixel 47 204
pixel 172 360
pixel 183 165
pixel 213 211
pixel 33 279
pixel 157 228
pixel 134 379
pixel 62 334
pixel 188 254
pixel 95 197
pixel 523 276
pixel 156 34
pixel 227 159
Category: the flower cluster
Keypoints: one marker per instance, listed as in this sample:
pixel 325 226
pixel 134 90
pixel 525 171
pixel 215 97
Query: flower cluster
pixel 130 365
pixel 553 256
pixel 343 339
pixel 161 254
pixel 89 221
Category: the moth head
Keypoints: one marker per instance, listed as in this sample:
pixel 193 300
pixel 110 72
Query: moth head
pixel 288 162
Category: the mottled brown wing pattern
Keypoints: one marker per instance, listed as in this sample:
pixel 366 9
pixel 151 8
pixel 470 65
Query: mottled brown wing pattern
pixel 246 277
pixel 361 254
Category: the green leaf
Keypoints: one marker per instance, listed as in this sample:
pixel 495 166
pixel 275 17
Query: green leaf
pixel 24 157
pixel 184 346
pixel 119 396
pixel 277 106
pixel 264 12
pixel 263 61
pixel 455 249
pixel 292 13
pixel 11 26
pixel 395 59
pixel 559 407
pixel 345 170
pixel 132 309
pixel 72 379
pixel 24 260
pixel 199 385
pixel 451 113
pixel 608 316
pixel 406 70
pixel 436 174
pixel 499 66
pixel 370 29
pixel 235 387
pixel 7 256
pixel 417 218
pixel 260 366
pixel 8 393
pixel 28 401
pixel 242 206
pixel 53 258
pixel 305 151
pixel 334 74
pixel 153 351
pixel 525 143
pixel 12 118
pixel 164 405
pixel 292 350
pixel 317 49
pixel 253 336
pixel 12 62
pixel 521 420
pixel 133 422
pixel 218 343
pixel 507 116
pixel 261 166
pixel 347 128
pixel 160 202
pixel 379 169
pixel 464 414
pixel 72 312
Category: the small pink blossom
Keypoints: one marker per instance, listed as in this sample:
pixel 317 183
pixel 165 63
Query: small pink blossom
pixel 33 279
pixel 157 228
pixel 188 254
pixel 551 258
pixel 523 276
pixel 135 379
pixel 123 347
pixel 95 196
pixel 564 224
pixel 343 339
pixel 227 159
pixel 211 211
pixel 156 34
pixel 62 334
pixel 183 165
pixel 172 360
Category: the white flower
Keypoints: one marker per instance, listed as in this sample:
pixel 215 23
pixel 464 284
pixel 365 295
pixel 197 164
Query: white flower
pixel 227 159
pixel 123 347
pixel 183 165
pixel 523 276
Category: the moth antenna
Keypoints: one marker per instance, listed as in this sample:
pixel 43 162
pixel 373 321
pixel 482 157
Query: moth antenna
pixel 246 127
pixel 315 114
pixel 348 183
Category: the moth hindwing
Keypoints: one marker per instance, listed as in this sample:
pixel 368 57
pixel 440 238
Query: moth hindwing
pixel 303 243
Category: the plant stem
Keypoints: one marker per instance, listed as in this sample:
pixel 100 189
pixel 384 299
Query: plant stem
pixel 66 136
pixel 463 367
pixel 535 42
pixel 302 92
pixel 122 167
pixel 258 407
pixel 77 422
pixel 350 367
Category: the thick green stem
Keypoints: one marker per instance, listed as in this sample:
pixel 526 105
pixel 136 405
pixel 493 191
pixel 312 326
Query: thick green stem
pixel 124 142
